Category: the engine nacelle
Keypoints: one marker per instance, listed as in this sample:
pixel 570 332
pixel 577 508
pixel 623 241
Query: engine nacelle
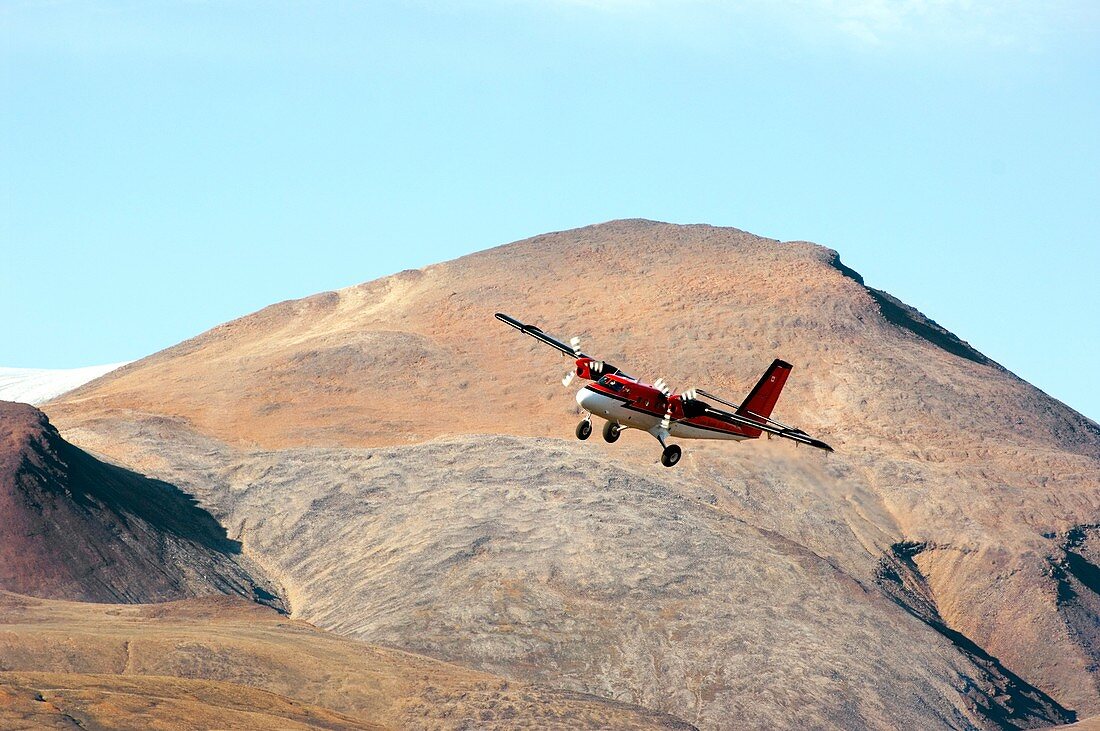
pixel 593 369
pixel 691 405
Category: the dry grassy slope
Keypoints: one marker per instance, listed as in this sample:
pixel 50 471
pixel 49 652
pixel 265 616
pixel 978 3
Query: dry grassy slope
pixel 74 701
pixel 984 484
pixel 222 663
pixel 75 527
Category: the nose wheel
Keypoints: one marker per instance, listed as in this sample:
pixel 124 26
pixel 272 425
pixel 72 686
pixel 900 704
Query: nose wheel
pixel 584 430
pixel 671 455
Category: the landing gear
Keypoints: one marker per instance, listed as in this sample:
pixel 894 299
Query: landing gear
pixel 671 455
pixel 611 432
pixel 584 430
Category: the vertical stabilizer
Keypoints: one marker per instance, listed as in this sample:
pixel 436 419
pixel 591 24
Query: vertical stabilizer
pixel 761 400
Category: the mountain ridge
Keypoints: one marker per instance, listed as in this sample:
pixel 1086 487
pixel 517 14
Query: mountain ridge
pixel 79 528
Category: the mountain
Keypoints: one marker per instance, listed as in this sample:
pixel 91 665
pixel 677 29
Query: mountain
pixel 402 464
pixel 225 663
pixel 37 385
pixel 78 528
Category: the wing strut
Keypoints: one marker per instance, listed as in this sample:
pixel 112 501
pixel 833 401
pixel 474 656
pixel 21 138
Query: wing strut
pixel 767 426
pixel 765 419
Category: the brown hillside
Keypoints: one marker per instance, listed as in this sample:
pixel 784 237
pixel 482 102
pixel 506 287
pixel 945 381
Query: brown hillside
pixel 75 527
pixel 412 356
pixel 939 570
pixel 222 663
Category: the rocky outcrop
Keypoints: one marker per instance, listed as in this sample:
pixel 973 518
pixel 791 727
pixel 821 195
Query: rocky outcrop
pixel 75 527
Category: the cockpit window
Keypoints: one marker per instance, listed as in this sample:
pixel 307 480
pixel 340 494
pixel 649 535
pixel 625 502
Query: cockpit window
pixel 609 383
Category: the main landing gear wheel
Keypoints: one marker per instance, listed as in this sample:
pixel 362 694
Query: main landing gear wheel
pixel 671 455
pixel 584 430
pixel 611 432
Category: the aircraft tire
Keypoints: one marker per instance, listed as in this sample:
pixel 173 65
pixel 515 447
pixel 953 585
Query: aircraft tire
pixel 584 430
pixel 671 455
pixel 611 432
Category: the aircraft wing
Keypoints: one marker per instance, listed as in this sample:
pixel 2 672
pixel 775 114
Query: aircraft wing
pixel 587 366
pixel 539 335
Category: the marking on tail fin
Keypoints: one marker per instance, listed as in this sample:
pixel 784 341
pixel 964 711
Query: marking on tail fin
pixel 764 395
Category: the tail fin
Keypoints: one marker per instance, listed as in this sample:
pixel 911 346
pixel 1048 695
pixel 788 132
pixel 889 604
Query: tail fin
pixel 761 400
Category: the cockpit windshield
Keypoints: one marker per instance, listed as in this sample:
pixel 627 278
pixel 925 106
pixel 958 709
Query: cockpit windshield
pixel 608 382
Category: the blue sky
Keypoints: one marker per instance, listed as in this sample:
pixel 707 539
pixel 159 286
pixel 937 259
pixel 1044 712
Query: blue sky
pixel 167 166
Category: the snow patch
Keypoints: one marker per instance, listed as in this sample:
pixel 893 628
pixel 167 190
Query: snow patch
pixel 37 385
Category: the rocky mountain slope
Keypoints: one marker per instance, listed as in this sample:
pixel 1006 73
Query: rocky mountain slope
pixel 938 570
pixel 223 663
pixel 75 527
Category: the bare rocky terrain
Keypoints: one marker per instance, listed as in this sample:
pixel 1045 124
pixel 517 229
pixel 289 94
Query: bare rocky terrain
pixel 401 465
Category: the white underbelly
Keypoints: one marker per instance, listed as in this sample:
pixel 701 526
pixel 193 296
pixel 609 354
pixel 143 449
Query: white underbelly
pixel 613 409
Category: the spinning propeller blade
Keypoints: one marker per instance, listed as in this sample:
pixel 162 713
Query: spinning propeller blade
pixel 575 343
pixel 663 387
pixel 667 421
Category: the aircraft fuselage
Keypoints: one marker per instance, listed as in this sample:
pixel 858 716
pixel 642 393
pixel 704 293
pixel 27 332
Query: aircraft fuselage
pixel 640 406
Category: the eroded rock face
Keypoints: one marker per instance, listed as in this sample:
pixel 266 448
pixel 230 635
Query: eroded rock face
pixel 77 528
pixel 266 419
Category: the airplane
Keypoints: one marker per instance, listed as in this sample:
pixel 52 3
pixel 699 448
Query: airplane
pixel 627 403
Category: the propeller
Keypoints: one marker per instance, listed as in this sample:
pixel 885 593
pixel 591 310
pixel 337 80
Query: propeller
pixel 664 388
pixel 575 344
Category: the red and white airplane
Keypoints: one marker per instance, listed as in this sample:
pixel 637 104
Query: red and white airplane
pixel 625 402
